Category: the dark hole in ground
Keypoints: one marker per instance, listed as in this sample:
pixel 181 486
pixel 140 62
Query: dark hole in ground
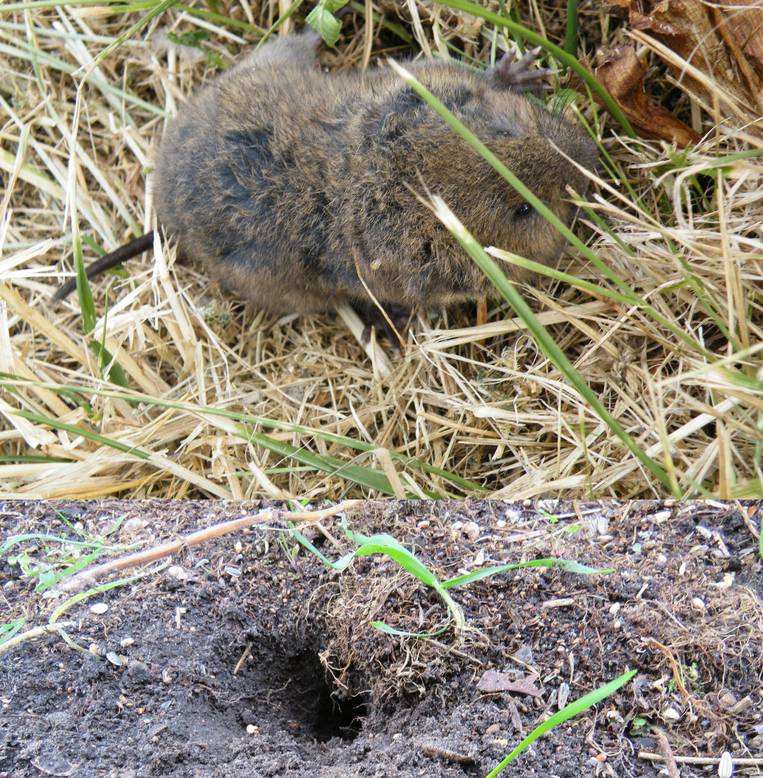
pixel 317 707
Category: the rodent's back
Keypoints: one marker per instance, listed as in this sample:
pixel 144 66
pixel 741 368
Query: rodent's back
pixel 289 183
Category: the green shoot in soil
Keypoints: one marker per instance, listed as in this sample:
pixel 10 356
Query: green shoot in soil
pixel 575 708
pixel 51 558
pixel 10 628
pixel 390 547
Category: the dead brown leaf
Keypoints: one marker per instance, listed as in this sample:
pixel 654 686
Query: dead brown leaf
pixel 742 31
pixel 723 43
pixel 622 73
pixel 494 681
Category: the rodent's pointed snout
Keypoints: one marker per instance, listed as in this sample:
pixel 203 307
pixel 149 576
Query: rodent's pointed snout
pixel 588 153
pixel 582 149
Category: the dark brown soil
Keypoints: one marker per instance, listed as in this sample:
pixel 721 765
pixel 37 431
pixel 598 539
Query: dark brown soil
pixel 163 689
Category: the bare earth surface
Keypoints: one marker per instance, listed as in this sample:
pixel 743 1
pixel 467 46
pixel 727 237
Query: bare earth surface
pixel 248 657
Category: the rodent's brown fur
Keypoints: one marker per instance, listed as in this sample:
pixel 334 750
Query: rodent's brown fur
pixel 288 183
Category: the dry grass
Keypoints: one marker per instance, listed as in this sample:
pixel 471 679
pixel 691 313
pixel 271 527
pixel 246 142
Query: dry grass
pixel 478 402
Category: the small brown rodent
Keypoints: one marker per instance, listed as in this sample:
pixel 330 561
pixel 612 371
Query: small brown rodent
pixel 288 183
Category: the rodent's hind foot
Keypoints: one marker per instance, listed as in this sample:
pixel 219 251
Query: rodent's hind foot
pixel 520 76
pixel 398 315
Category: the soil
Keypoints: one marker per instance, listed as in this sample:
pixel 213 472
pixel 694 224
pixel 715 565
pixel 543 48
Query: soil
pixel 247 656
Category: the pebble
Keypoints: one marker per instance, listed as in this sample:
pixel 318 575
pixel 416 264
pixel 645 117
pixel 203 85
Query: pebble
pixel 115 659
pixel 471 530
pixel 178 572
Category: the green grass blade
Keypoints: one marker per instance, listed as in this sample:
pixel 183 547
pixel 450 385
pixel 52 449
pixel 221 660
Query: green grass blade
pixel 158 9
pixel 467 486
pixel 32 459
pixel 278 22
pixel 81 596
pixel 569 711
pixel 84 293
pixel 387 545
pixel 218 18
pixel 547 344
pixel 541 335
pixel 398 29
pixel 485 572
pixel 363 476
pixel 38 418
pixel 47 579
pixel 111 370
pixel 14 540
pixel 10 628
pixel 571 34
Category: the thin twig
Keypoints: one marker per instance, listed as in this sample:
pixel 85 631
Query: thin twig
pixel 89 577
pixel 30 634
pixel 702 760
pixel 667 755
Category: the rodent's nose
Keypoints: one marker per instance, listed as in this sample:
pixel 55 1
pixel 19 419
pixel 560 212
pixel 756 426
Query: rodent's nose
pixel 589 154
pixel 585 152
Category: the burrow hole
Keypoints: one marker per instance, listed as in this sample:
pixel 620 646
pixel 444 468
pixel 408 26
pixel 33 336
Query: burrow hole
pixel 316 705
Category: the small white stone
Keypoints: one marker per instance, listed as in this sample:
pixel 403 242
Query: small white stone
pixel 698 603
pixel 176 571
pixel 115 659
pixel 131 526
pixel 125 642
pixel 252 729
pixel 726 582
pixel 471 530
pixel 99 608
pixel 671 714
pixel 564 694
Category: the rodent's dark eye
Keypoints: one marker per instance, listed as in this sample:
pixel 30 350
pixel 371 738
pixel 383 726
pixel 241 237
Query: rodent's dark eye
pixel 523 211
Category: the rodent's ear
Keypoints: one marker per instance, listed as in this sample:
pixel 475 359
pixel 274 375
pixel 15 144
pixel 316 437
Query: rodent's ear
pixel 506 127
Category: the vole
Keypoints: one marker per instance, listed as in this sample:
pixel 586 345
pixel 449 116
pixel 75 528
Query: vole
pixel 291 185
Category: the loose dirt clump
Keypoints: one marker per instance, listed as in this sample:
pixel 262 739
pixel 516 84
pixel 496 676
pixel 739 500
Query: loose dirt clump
pixel 248 656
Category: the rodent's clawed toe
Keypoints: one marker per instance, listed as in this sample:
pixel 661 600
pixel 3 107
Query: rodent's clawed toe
pixel 520 76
